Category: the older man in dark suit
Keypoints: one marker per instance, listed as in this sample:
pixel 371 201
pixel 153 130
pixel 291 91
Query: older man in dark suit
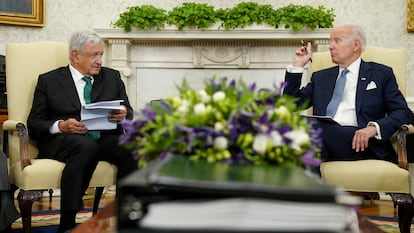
pixel 368 105
pixel 54 121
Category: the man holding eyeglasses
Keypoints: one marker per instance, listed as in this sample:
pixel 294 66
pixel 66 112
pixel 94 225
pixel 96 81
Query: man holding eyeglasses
pixel 54 121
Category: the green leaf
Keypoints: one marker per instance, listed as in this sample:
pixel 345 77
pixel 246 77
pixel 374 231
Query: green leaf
pixel 201 15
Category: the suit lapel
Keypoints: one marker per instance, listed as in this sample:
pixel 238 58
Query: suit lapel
pixel 68 86
pixel 97 86
pixel 364 78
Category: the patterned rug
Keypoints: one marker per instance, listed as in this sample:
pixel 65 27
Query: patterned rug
pixel 387 224
pixel 50 219
pixel 47 221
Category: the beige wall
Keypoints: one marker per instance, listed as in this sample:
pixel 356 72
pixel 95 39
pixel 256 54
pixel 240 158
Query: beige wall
pixel 383 20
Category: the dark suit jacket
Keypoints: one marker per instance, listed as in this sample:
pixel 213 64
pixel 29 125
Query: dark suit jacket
pixel 384 104
pixel 56 98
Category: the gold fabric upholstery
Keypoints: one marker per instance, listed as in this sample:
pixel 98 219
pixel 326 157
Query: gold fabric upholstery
pixel 366 176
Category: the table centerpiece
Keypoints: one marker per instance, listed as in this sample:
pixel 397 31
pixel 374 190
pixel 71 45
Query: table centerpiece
pixel 227 121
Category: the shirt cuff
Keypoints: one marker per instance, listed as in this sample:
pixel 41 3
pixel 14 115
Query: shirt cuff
pixel 54 129
pixel 294 69
pixel 378 136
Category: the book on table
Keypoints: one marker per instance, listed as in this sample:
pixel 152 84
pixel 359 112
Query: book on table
pixel 180 195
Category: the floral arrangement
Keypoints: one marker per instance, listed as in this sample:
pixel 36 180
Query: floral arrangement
pixel 227 121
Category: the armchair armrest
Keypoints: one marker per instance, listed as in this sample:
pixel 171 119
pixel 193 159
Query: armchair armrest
pixel 21 129
pixel 401 136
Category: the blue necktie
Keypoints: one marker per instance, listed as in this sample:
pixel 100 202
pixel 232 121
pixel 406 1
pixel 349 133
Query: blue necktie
pixel 87 91
pixel 337 95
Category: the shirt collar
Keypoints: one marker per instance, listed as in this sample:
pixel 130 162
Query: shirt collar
pixel 354 67
pixel 76 75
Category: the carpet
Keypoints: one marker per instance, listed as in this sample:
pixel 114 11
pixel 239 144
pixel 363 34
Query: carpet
pixel 387 224
pixel 47 221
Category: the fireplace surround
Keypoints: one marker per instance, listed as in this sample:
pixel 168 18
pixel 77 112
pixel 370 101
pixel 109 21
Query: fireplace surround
pixel 152 62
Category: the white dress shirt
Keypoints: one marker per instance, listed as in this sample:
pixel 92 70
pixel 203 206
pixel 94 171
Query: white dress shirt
pixel 346 114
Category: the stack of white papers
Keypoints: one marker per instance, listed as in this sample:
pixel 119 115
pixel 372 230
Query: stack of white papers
pixel 250 214
pixel 95 115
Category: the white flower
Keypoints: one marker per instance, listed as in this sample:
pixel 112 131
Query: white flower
pixel 183 107
pixel 282 111
pixel 205 98
pixel 220 143
pixel 218 126
pixel 260 143
pixel 175 101
pixel 218 96
pixel 298 137
pixel 200 108
pixel 263 127
pixel 276 138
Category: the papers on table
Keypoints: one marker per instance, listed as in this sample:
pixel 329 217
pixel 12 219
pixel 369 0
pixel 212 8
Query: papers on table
pixel 249 215
pixel 95 115
pixel 322 118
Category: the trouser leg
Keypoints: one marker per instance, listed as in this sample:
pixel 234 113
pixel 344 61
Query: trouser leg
pixel 337 143
pixel 117 155
pixel 81 156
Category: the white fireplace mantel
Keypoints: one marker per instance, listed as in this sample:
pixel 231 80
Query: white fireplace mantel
pixel 151 62
pixel 214 34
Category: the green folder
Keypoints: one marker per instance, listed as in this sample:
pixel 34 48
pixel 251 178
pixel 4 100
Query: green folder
pixel 287 182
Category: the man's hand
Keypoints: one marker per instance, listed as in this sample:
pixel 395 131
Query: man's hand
pixel 72 126
pixel 303 55
pixel 362 136
pixel 117 115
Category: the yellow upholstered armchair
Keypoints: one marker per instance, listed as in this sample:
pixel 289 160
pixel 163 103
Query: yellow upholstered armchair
pixel 374 176
pixel 25 61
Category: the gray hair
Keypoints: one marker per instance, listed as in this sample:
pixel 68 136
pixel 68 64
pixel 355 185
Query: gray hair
pixel 79 39
pixel 358 33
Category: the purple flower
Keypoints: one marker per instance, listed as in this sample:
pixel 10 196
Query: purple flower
pixel 284 129
pixel 309 159
pixel 131 129
pixel 232 83
pixel 252 87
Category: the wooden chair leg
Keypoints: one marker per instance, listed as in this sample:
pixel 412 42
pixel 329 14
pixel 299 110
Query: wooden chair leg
pixel 26 199
pixel 405 217
pixel 97 199
pixel 50 191
pixel 405 207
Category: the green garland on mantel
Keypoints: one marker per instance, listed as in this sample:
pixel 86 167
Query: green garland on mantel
pixel 201 16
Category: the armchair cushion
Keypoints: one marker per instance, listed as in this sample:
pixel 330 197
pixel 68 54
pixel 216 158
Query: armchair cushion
pixel 366 176
pixel 36 176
